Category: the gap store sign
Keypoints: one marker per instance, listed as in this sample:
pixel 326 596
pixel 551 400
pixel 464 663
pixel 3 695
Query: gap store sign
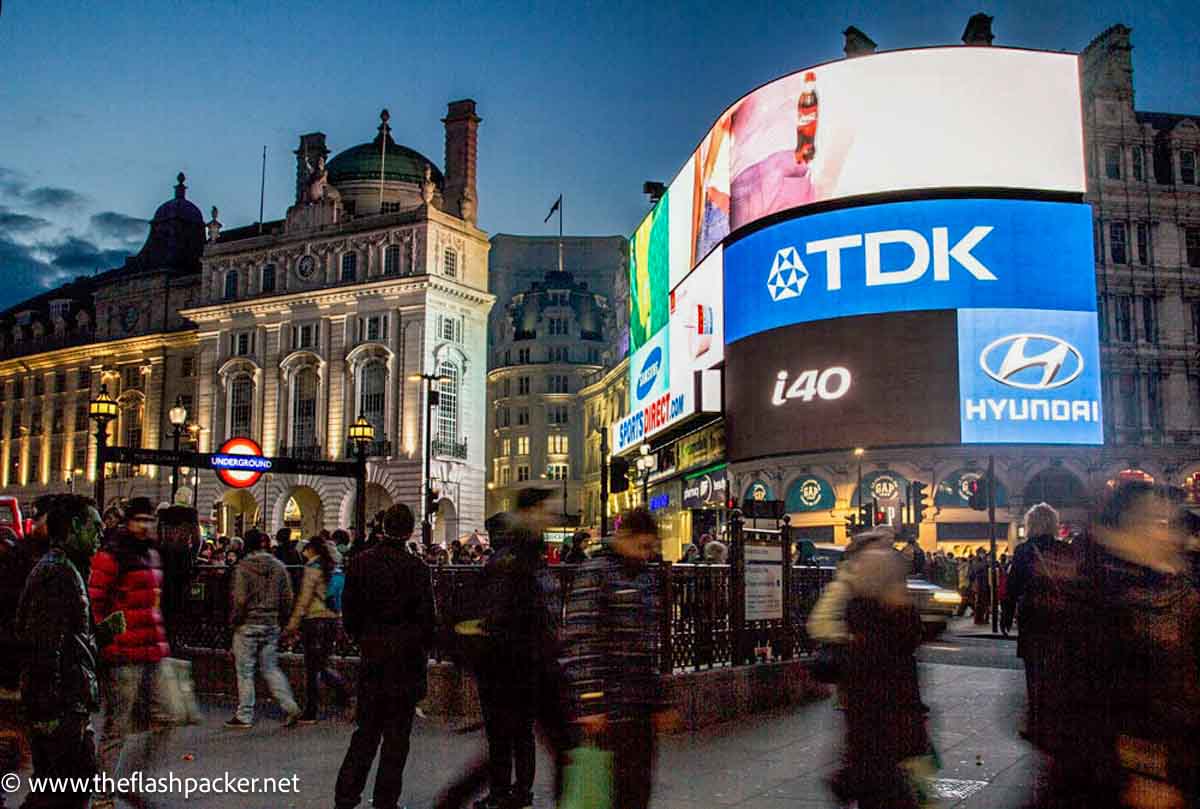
pixel 911 256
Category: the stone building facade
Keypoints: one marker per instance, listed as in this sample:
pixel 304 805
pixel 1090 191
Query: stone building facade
pixel 554 331
pixel 287 331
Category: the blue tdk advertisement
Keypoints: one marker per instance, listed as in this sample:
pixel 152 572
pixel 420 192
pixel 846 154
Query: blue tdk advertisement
pixel 911 256
pixel 1029 376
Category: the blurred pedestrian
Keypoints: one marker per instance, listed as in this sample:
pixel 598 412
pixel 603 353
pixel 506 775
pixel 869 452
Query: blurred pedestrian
pixel 1029 589
pixel 127 577
pixel 387 606
pixel 317 620
pixel 577 554
pixel 716 553
pixel 611 656
pixel 981 588
pixel 179 536
pixel 262 598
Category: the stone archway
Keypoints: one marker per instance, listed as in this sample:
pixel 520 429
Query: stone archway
pixel 447 522
pixel 303 512
pixel 239 513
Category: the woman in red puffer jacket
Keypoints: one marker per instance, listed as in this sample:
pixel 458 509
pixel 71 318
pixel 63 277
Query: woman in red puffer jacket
pixel 127 576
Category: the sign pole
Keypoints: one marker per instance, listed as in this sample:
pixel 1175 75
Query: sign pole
pixel 992 577
pixel 603 482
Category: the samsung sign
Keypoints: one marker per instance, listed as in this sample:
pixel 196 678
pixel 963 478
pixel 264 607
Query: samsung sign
pixel 1029 376
pixel 910 256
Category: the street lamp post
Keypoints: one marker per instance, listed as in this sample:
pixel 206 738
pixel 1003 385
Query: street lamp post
pixel 645 464
pixel 101 410
pixel 431 400
pixel 362 433
pixel 178 417
pixel 194 437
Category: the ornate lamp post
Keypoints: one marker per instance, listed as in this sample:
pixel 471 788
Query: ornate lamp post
pixel 101 410
pixel 178 418
pixel 362 435
pixel 646 464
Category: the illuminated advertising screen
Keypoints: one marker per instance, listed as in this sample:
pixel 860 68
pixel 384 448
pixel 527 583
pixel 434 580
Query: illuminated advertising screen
pixel 649 254
pixel 697 331
pixel 875 380
pixel 906 256
pixel 650 371
pixel 1029 376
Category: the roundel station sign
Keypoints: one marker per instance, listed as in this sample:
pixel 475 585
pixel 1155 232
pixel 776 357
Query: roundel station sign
pixel 239 463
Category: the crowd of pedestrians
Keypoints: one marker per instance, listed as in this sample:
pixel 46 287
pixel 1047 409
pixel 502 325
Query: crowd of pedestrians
pixel 1108 629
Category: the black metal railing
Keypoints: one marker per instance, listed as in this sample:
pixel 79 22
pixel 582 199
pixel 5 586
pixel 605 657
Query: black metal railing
pixel 376 449
pixel 309 452
pixel 450 449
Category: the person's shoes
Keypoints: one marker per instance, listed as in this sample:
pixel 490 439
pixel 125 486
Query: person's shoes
pixel 292 719
pixel 238 724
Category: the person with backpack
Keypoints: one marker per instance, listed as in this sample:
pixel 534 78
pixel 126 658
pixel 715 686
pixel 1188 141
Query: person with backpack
pixel 316 617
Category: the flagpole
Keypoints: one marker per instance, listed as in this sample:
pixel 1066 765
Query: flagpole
pixel 560 233
pixel 262 191
pixel 383 136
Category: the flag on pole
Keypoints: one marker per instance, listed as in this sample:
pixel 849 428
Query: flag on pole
pixel 557 204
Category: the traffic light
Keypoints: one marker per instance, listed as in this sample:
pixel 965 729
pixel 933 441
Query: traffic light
pixel 618 475
pixel 866 512
pixel 916 500
pixel 978 490
pixel 431 501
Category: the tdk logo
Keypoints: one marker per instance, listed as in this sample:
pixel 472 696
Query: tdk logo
pixel 789 275
pixel 1031 361
pixel 649 373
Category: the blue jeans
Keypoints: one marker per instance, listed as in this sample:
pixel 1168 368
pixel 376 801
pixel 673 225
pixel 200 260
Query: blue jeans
pixel 130 696
pixel 256 646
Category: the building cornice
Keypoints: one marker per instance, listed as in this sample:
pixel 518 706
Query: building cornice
pixel 87 351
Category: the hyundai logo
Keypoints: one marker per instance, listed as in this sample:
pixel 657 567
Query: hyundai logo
pixel 1031 361
pixel 649 373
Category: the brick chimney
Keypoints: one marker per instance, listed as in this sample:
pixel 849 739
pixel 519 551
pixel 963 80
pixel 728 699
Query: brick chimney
pixel 312 146
pixel 978 30
pixel 462 139
pixel 857 43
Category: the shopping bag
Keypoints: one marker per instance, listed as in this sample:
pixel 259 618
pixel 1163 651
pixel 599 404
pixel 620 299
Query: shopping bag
pixel 176 697
pixel 588 779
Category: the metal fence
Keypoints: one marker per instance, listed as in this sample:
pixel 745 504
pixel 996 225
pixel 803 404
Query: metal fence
pixel 699 628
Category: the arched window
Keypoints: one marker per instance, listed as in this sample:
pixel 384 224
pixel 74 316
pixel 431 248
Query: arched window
pixel 304 409
pixel 131 423
pixel 372 383
pixel 241 406
pixel 448 404
pixel 231 284
pixel 1055 486
pixel 268 278
pixel 349 266
pixel 391 260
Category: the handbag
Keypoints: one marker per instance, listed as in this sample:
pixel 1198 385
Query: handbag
pixel 176 698
pixel 588 779
pixel 828 665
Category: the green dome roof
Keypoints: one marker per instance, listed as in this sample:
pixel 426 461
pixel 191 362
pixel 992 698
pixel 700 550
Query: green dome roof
pixel 362 163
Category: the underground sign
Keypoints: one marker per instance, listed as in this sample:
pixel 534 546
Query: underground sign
pixel 239 463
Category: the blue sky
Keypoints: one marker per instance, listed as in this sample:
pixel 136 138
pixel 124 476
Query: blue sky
pixel 101 104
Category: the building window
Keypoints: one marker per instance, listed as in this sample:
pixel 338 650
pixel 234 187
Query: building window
pixel 3 389
pixel 85 379
pixel 268 278
pixel 522 386
pixel 14 429
pixel 1187 168
pixel 391 260
pixel 390 207
pixel 506 387
pixel 1154 401
pixel 522 473
pixel 373 328
pixel 1124 319
pixel 559 354
pixel 1142 233
pixel 1139 163
pixel 241 344
pixel 556 414
pixel 1132 410
pixel 450 262
pixel 372 388
pixel 505 475
pixel 231 285
pixel 593 355
pixel 241 406
pixel 186 400
pixel 305 335
pixel 304 409
pixel 557 444
pixel 505 447
pixel 39 385
pixel 131 377
pixel 558 383
pixel 58 421
pixel 1150 319
pixel 448 403
pixel 35 462
pixel 450 328
pixel 349 267
pixel 35 420
pixel 81 417
pixel 132 418
pixel 522 445
pixel 1191 239
pixel 187 366
pixel 522 356
pixel 522 416
pixel 14 466
pixel 19 387
pixel 558 326
pixel 508 357
pixel 557 471
pixel 79 454
pixel 60 382
pixel 502 417
pixel 1196 321
pixel 1117 243
pixel 1112 162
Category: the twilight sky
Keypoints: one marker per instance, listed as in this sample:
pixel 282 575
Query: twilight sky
pixel 101 104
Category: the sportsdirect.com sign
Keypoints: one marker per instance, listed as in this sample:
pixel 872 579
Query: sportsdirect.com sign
pixel 910 256
pixel 653 418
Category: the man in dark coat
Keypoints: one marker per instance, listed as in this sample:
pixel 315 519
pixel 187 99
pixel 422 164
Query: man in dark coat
pixel 387 607
pixel 59 687
pixel 1028 577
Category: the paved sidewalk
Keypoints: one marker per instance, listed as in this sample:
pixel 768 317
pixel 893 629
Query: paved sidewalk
pixel 771 761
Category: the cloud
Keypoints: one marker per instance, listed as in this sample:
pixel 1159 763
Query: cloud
pixel 52 197
pixel 14 222
pixel 25 273
pixel 113 225
pixel 80 255
pixel 10 183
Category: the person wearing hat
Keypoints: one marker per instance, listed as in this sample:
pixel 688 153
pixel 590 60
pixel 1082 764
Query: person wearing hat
pixel 127 577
